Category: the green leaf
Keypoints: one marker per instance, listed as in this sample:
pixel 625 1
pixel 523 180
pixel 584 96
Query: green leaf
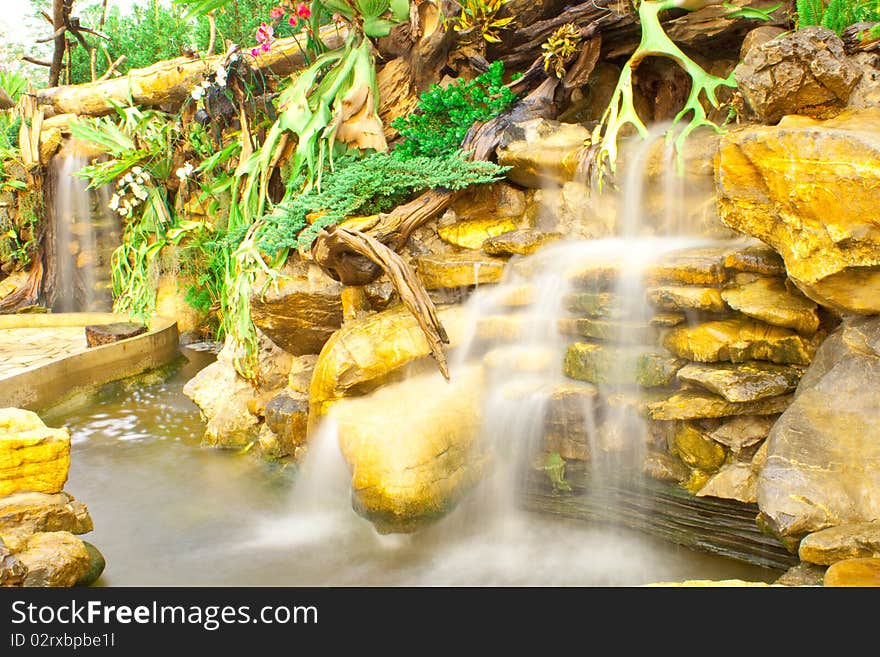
pixel 201 7
pixel 399 10
pixel 338 7
pixel 751 12
pixel 371 9
pixel 377 27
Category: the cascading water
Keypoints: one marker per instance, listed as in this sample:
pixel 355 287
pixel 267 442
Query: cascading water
pixel 85 231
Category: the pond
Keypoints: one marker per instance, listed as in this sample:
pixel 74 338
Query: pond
pixel 169 512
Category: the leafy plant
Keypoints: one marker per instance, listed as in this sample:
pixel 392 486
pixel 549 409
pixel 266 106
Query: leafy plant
pixel 836 15
pixel 366 186
pixel 478 19
pixel 13 83
pixel 444 116
pixel 559 48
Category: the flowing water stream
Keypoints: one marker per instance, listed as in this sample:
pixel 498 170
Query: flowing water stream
pixel 169 512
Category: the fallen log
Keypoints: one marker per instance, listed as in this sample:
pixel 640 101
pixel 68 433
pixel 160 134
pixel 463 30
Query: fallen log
pixel 168 83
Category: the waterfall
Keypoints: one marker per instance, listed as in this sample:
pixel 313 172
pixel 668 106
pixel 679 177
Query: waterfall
pixel 85 233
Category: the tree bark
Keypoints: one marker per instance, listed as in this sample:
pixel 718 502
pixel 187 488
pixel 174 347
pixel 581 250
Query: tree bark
pixel 165 84
pixel 60 42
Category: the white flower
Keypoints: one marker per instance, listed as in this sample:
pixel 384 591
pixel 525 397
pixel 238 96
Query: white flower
pixel 137 170
pixel 141 193
pixel 120 182
pixel 206 84
pixel 197 93
pixel 121 212
pixel 140 180
pixel 185 171
pixel 114 202
pixel 129 178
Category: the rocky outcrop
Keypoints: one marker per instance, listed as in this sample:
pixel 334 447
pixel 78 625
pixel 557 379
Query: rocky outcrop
pixel 302 311
pixel 823 459
pixel 696 404
pixel 33 457
pixel 542 152
pixel 518 242
pixel 369 352
pixel 471 234
pixel 804 72
pixel 23 514
pixel 852 541
pixel 414 470
pixel 854 572
pixel 808 188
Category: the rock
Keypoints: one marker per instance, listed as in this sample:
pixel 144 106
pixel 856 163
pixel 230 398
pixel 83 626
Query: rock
pixel 171 302
pixel 805 72
pixel 850 541
pixel 744 431
pixel 768 300
pixel 414 470
pixel 520 359
pixel 495 201
pixel 518 242
pixel 50 142
pixel 743 382
pixel 700 266
pixel 568 415
pixel 33 457
pixel 738 340
pixel 299 378
pixel 758 37
pixel 694 404
pixel 287 416
pixel 755 258
pixel 227 400
pixel 458 270
pixel 542 152
pixel 54 559
pixel 853 572
pixel 734 481
pixel 866 92
pixel 98 334
pixel 664 467
pixel 607 364
pixel 682 297
pixel 823 459
pixel 367 353
pixel 595 304
pixel 804 574
pixel 784 185
pixel 572 211
pixel 471 234
pixel 12 571
pixel 97 563
pixel 22 514
pixel 303 312
pixel 695 449
pixel 620 331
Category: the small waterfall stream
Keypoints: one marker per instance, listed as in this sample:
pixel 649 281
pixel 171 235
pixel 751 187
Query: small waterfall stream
pixel 85 233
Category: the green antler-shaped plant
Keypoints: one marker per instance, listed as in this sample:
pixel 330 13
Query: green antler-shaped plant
pixel 656 42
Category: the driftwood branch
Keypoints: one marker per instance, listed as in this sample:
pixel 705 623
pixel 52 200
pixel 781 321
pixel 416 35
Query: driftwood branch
pixel 61 30
pixel 28 293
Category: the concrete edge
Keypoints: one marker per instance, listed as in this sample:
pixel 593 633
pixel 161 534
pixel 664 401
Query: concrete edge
pixel 42 386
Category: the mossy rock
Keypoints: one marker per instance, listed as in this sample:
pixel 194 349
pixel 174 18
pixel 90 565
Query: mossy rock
pixel 96 566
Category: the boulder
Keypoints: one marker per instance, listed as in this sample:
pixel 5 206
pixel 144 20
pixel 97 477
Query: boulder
pixel 804 72
pixel 686 297
pixel 695 404
pixel 458 270
pixel 287 416
pixel 368 352
pixel 823 458
pixel 595 304
pixel 741 432
pixel 808 188
pixel 759 36
pixel 518 242
pixel 54 559
pixel 12 571
pixel 33 457
pixel 695 449
pixel 621 331
pixel 850 541
pixel 769 300
pixel 302 311
pixel 610 364
pixel 413 470
pixel 228 402
pixel 22 514
pixel 734 481
pixel 854 572
pixel 171 302
pixel 472 233
pixel 541 152
pixel 737 340
pixel 756 258
pixel 804 574
pixel 743 382
pixel 499 200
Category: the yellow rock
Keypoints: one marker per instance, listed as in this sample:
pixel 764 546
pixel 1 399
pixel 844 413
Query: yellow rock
pixel 696 449
pixel 54 559
pixel 544 152
pixel 740 339
pixel 686 297
pixel 50 142
pixel 705 583
pixel 854 572
pixel 809 189
pixel 770 301
pixel 367 352
pixel 171 302
pixel 411 467
pixel 695 404
pixel 472 234
pixel 458 270
pixel 33 457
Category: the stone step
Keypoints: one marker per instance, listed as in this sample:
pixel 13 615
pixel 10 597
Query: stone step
pixel 616 365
